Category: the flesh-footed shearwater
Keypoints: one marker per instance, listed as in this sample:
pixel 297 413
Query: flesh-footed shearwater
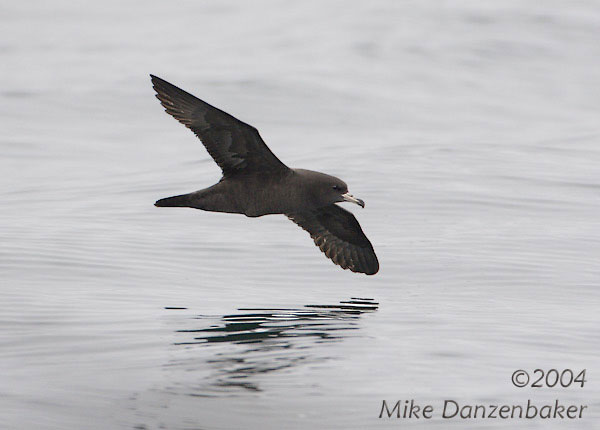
pixel 256 183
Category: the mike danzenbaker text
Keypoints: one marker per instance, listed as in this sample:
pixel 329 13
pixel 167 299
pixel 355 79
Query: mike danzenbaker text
pixel 452 409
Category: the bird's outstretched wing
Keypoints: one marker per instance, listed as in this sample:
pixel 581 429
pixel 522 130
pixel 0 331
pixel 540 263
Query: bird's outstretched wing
pixel 235 146
pixel 337 233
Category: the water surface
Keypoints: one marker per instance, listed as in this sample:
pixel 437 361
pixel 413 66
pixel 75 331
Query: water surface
pixel 470 129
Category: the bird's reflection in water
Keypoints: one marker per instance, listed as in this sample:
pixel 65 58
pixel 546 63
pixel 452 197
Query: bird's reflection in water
pixel 257 341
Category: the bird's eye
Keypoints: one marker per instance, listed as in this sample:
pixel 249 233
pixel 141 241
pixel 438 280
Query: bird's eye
pixel 335 187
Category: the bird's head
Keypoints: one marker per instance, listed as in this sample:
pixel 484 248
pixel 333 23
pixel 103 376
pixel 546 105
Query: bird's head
pixel 334 190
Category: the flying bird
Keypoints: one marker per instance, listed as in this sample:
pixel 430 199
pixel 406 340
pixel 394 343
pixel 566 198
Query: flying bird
pixel 256 183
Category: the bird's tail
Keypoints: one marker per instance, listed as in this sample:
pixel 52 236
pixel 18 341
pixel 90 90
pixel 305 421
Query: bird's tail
pixel 182 201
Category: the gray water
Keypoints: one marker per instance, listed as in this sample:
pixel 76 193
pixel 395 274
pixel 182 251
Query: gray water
pixel 471 129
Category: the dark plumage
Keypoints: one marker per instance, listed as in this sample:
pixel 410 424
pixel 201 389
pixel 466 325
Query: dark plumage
pixel 256 183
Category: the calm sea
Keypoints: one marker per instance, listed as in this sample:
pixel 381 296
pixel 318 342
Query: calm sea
pixel 471 130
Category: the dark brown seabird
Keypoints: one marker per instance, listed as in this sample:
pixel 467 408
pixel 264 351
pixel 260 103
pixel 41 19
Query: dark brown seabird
pixel 256 183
